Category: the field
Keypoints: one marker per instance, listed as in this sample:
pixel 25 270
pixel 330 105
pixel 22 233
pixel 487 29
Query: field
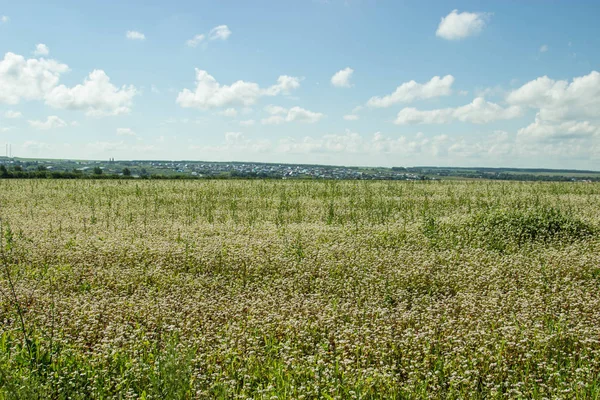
pixel 299 290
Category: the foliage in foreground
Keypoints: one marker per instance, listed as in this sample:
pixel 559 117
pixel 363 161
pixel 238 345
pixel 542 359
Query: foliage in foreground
pixel 264 289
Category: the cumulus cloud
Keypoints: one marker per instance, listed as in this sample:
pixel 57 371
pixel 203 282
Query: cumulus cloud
pixel 455 25
pixel 126 132
pixel 210 94
pixel 285 84
pixel 354 143
pixel 38 79
pixel 41 50
pixel 97 96
pixel 544 48
pixel 135 35
pixel 542 131
pixel 280 115
pixel 27 79
pixel 351 117
pixel 338 143
pixel 411 91
pixel 561 100
pixel 4 19
pixel 342 78
pixel 567 121
pixel 221 32
pixel 500 146
pixel 12 114
pixel 51 122
pixel 479 111
pixel 195 41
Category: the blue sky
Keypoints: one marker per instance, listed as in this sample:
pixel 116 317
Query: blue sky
pixel 387 83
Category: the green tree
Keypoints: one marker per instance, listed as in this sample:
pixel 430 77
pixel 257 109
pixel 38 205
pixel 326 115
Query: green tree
pixel 3 171
pixel 126 172
pixel 18 168
pixel 97 171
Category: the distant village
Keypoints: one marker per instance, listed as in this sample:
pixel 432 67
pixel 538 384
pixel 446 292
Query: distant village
pixel 48 168
pixel 283 171
pixel 191 169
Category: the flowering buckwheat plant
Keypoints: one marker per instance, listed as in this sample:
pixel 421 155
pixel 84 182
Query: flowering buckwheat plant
pixel 299 290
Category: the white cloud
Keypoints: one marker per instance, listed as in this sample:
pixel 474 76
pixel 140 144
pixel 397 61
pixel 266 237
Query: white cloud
pixel 285 84
pixel 209 93
pixel 274 110
pixel 97 95
pixel 126 132
pixel 544 48
pixel 41 50
pixel 51 122
pixel 195 41
pixel 542 131
pixel 27 79
pixel 230 112
pixel 4 19
pixel 302 115
pixel 496 148
pixel 247 122
pixel 295 114
pixel 495 145
pixel 6 128
pixel 479 111
pixel 135 35
pixel 567 121
pixel 561 100
pixel 342 78
pixel 411 91
pixel 455 25
pixel 13 114
pixel 37 79
pixel 221 32
pixel 154 89
pixel 356 144
pixel 351 117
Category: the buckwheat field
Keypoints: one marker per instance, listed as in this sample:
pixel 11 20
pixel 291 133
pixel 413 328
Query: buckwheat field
pixel 299 290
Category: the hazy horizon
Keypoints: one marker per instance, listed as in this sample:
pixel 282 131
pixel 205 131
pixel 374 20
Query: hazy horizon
pixel 353 83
